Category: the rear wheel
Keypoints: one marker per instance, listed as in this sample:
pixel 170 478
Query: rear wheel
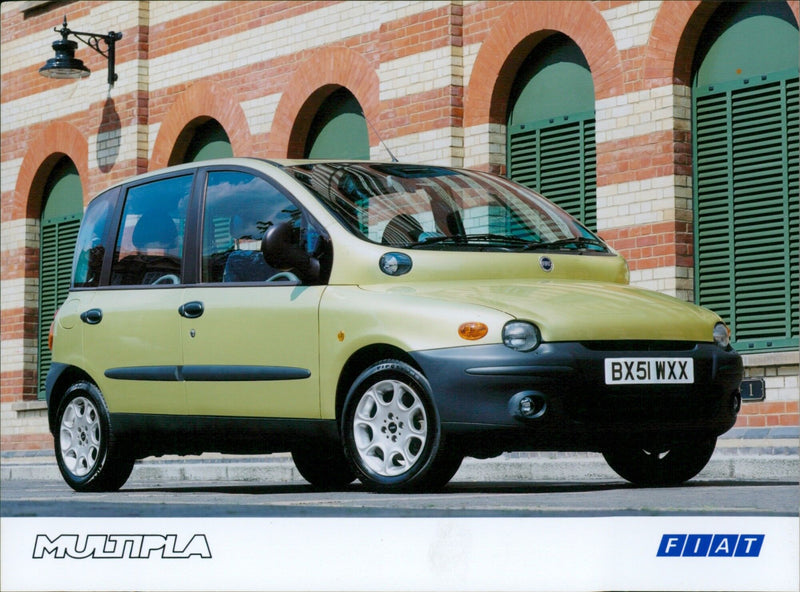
pixel 663 464
pixel 89 456
pixel 390 428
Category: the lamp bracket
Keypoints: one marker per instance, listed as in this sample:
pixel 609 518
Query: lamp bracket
pixel 93 41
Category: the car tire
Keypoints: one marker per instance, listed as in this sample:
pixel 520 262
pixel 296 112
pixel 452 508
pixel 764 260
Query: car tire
pixel 89 455
pixel 390 428
pixel 661 465
pixel 323 464
pixel 444 468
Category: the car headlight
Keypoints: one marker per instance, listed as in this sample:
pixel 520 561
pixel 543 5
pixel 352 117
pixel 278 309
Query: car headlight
pixel 722 335
pixel 521 336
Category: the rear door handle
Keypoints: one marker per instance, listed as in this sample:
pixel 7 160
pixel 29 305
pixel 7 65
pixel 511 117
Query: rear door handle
pixel 92 316
pixel 191 310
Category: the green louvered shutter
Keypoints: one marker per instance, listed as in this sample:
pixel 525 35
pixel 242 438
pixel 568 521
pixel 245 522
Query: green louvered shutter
pixel 58 239
pixel 557 158
pixel 746 208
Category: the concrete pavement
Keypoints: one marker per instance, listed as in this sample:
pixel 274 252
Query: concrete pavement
pixel 741 454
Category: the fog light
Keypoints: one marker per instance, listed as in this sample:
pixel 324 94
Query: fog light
pixel 526 406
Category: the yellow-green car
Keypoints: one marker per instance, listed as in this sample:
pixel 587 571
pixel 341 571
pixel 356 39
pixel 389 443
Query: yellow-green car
pixel 380 321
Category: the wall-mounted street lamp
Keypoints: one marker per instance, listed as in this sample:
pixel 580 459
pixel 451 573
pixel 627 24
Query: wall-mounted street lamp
pixel 66 65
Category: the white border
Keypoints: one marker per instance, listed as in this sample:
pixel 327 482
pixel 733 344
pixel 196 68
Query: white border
pixel 376 554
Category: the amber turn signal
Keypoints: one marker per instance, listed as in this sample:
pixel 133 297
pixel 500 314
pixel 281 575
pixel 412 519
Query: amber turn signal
pixel 472 331
pixel 51 333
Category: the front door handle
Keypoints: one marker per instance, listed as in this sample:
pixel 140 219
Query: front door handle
pixel 92 316
pixel 191 310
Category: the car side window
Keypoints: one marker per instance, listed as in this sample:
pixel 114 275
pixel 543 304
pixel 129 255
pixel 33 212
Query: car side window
pixel 89 249
pixel 239 209
pixel 149 243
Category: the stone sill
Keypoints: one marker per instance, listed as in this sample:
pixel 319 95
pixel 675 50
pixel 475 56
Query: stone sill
pixel 24 408
pixel 788 358
pixel 29 5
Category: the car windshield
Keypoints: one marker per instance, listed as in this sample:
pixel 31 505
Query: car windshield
pixel 430 207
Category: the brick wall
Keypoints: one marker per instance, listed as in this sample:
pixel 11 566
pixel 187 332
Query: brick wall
pixel 780 375
pixel 432 77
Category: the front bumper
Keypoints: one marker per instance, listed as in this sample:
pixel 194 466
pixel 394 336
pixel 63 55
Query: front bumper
pixel 479 391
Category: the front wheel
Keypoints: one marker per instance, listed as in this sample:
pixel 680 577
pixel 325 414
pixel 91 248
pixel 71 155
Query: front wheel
pixel 444 468
pixel 323 464
pixel 89 456
pixel 390 427
pixel 663 464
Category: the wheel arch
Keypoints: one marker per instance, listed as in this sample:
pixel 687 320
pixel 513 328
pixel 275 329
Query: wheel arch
pixel 69 375
pixel 363 359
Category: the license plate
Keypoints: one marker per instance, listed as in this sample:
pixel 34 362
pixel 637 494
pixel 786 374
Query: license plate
pixel 649 370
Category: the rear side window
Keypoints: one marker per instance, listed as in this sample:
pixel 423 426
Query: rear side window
pixel 149 244
pixel 89 249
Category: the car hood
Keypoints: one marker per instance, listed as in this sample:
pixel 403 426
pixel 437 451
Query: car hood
pixel 572 310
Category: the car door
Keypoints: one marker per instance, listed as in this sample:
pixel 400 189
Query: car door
pixel 249 330
pixel 132 325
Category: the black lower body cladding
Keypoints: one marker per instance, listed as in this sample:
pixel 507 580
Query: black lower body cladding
pixel 569 406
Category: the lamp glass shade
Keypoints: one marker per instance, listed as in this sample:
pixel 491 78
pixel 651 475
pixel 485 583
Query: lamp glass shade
pixel 64 64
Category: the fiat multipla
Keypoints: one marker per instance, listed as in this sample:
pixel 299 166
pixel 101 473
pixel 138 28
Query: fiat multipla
pixel 379 321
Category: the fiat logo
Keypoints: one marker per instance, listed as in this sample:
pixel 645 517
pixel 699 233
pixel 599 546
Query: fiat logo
pixel 546 263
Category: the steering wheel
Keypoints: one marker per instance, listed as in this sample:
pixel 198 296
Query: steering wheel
pixel 285 276
pixel 169 278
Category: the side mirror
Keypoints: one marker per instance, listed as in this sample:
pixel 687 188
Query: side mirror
pixel 282 250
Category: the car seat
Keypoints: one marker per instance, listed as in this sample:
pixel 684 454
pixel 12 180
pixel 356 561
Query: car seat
pixel 157 259
pixel 155 230
pixel 245 265
pixel 401 230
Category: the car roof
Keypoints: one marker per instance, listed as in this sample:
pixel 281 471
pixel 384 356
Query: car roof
pixel 240 161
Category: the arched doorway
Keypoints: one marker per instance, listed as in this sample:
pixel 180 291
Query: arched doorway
pixel 209 141
pixel 745 119
pixel 551 127
pixel 59 224
pixel 339 129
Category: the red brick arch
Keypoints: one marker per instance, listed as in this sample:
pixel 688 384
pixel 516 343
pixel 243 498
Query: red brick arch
pixel 322 72
pixel 57 140
pixel 673 40
pixel 200 102
pixel 521 27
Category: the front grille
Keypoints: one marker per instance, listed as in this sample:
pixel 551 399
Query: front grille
pixel 638 345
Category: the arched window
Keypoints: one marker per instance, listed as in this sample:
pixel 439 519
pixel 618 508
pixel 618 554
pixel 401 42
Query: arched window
pixel 209 141
pixel 551 137
pixel 339 129
pixel 60 221
pixel 745 118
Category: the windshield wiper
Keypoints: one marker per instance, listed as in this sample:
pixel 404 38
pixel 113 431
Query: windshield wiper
pixel 575 242
pixel 572 243
pixel 466 239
